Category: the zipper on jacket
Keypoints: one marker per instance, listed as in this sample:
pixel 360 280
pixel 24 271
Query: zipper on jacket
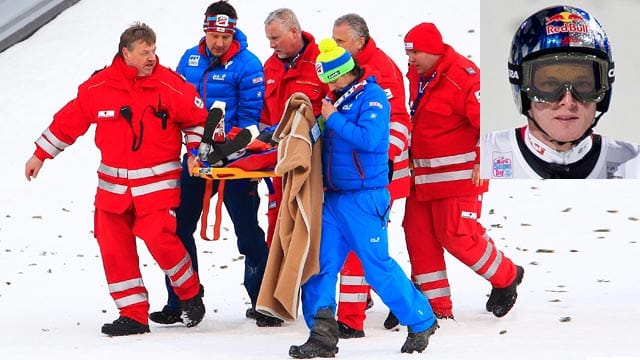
pixel 357 164
pixel 328 170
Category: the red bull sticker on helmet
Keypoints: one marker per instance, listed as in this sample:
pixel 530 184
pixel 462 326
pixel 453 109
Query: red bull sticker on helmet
pixel 566 22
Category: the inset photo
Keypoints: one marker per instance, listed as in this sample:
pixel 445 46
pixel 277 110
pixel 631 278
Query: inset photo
pixel 558 85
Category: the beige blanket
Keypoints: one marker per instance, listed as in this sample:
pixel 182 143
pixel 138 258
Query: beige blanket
pixel 293 257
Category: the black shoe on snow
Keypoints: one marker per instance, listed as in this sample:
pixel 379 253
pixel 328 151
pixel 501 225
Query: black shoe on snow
pixel 192 310
pixel 347 332
pixel 124 326
pixel 418 341
pixel 312 349
pixel 251 313
pixel 263 320
pixel 166 316
pixel 502 300
pixel 391 321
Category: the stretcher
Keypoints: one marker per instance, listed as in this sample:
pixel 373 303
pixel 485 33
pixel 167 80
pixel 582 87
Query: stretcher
pixel 230 173
pixel 221 174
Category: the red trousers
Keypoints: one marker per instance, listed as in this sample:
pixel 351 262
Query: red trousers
pixel 354 292
pixel 116 235
pixel 450 224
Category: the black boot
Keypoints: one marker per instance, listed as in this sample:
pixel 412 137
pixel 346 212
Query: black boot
pixel 192 310
pixel 124 326
pixel 502 300
pixel 347 332
pixel 220 153
pixel 418 341
pixel 263 320
pixel 206 145
pixel 166 316
pixel 391 321
pixel 250 313
pixel 323 340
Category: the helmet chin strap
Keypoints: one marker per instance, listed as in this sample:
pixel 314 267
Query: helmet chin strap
pixel 550 138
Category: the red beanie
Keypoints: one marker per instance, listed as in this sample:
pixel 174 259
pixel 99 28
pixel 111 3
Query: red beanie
pixel 424 37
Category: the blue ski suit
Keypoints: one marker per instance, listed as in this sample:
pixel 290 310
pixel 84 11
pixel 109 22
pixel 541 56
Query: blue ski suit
pixel 237 79
pixel 356 206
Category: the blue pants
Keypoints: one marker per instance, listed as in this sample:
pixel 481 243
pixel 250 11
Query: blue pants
pixel 358 221
pixel 242 201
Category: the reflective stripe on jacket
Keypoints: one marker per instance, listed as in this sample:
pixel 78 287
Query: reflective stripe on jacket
pixel 446 129
pixel 139 130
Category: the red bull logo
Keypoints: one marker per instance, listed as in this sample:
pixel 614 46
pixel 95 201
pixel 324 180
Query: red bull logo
pixel 566 22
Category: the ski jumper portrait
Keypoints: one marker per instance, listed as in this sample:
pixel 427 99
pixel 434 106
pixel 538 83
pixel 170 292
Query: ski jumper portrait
pixel 561 72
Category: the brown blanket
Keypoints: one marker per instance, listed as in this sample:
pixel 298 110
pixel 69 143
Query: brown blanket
pixel 293 257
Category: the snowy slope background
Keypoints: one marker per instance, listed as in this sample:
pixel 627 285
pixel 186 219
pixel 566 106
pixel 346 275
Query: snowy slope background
pixel 577 240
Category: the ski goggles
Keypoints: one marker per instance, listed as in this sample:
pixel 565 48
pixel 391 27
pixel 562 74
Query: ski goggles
pixel 547 79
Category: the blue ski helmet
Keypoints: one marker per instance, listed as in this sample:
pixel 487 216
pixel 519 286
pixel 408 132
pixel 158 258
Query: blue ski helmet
pixel 558 29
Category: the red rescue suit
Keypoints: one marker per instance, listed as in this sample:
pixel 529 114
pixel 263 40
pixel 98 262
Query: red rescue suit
pixel 443 208
pixel 139 125
pixel 354 290
pixel 282 79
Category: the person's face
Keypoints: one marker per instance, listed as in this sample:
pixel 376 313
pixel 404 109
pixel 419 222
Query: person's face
pixel 218 42
pixel 343 37
pixel 282 39
pixel 341 82
pixel 142 56
pixel 565 120
pixel 423 61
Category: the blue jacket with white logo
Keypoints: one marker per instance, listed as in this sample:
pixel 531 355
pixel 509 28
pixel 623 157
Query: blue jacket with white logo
pixel 356 140
pixel 235 78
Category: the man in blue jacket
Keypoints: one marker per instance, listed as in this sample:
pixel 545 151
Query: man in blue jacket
pixel 355 212
pixel 223 69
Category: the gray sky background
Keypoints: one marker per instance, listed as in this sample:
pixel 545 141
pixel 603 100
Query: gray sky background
pixel 499 20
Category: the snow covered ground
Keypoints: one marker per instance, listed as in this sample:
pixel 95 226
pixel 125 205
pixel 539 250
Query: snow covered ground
pixel 577 240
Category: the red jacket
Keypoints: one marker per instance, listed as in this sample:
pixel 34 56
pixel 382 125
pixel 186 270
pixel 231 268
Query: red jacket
pixel 446 129
pixel 140 163
pixel 391 81
pixel 282 80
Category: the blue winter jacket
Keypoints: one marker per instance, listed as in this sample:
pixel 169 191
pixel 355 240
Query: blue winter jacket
pixel 356 141
pixel 235 78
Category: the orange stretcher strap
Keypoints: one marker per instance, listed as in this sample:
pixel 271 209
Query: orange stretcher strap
pixel 221 174
pixel 218 173
pixel 206 201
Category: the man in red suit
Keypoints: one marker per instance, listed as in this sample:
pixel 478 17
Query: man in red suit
pixel 141 110
pixel 443 208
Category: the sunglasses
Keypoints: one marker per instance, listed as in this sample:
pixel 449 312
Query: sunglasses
pixel 547 79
